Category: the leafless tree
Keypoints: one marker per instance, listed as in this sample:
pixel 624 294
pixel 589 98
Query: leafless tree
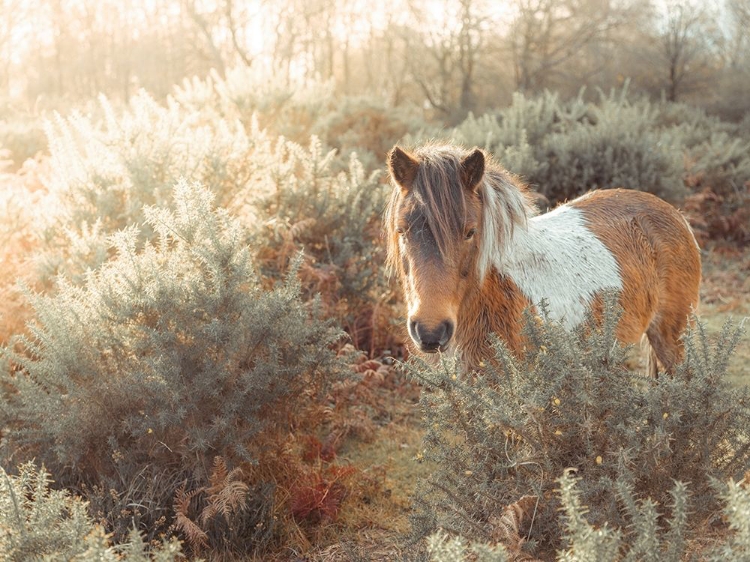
pixel 447 77
pixel 549 33
pixel 739 12
pixel 685 45
pixel 201 21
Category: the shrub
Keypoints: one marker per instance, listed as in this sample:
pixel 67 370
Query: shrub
pixel 291 198
pixel 617 148
pixel 526 119
pixel 334 217
pixel 516 134
pixel 563 149
pixel 509 431
pixel 655 538
pixel 22 138
pixel 39 523
pixel 721 163
pixel 737 512
pixel 367 126
pixel 290 108
pixel 167 356
pixel 105 173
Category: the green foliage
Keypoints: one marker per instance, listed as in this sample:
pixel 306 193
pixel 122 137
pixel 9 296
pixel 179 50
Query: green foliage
pixel 737 511
pixel 442 548
pixel 722 162
pixel 588 543
pixel 564 149
pixel 168 355
pixel 290 108
pixel 106 172
pixel 368 126
pixel 39 523
pixel 334 217
pixel 292 198
pixel 716 152
pixel 618 147
pixel 644 540
pixel 527 118
pixel 506 432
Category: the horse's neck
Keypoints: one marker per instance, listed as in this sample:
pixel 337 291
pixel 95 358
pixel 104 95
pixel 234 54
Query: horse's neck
pixel 495 307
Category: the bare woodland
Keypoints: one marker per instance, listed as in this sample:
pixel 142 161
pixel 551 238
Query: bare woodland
pixel 448 56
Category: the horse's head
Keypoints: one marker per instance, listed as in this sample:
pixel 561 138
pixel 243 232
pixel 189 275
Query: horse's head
pixel 435 228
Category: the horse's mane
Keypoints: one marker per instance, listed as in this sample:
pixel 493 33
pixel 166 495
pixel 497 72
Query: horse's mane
pixel 437 190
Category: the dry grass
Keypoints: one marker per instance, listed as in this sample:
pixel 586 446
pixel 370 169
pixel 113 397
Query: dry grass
pixel 374 518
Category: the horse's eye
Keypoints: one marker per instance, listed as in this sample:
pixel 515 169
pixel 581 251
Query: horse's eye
pixel 399 231
pixel 470 234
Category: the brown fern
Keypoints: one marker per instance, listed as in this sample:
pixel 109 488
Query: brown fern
pixel 196 537
pixel 300 227
pixel 227 494
pixel 510 526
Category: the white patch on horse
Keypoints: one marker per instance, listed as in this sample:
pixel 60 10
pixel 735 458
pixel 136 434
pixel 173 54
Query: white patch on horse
pixel 559 259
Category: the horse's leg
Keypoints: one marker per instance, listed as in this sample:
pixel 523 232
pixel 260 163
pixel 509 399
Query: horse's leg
pixel 678 268
pixel 664 334
pixel 652 364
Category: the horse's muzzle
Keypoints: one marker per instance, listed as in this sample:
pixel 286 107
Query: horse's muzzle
pixel 431 340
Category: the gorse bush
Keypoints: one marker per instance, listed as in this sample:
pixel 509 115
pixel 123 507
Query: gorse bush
pixel 298 110
pixel 168 355
pixel 646 539
pixel 617 147
pixel 656 539
pixel 368 126
pixel 510 430
pixel 291 198
pixel 526 119
pixel 106 172
pixel 564 149
pixel 334 217
pixel 287 107
pixel 22 138
pixel 737 512
pixel 39 523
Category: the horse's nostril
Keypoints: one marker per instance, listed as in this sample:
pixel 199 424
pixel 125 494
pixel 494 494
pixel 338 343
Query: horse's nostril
pixel 431 339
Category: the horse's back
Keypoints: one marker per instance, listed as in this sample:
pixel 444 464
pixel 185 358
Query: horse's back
pixel 659 262
pixel 626 220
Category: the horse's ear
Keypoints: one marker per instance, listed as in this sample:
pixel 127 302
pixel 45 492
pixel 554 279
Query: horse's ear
pixel 472 169
pixel 403 167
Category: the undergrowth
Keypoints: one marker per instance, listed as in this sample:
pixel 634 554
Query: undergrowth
pixel 40 523
pixel 506 434
pixel 170 354
pixel 565 148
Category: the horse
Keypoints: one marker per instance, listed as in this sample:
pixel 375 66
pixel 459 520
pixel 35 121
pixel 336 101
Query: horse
pixel 472 253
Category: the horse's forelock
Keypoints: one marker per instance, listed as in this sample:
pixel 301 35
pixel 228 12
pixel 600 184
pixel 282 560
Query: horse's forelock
pixel 442 198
